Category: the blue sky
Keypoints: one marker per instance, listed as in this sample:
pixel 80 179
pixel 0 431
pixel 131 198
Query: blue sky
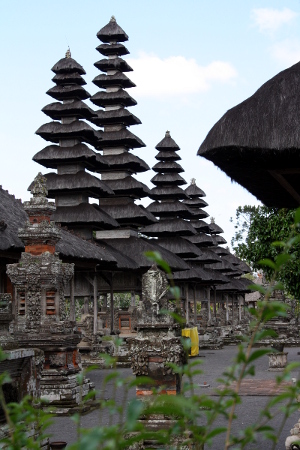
pixel 193 60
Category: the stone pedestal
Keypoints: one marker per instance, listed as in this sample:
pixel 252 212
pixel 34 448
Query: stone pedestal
pixel 277 361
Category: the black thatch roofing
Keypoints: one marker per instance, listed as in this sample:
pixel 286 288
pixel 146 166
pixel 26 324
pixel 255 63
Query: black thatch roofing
pixel 116 116
pixel 54 155
pixel 67 78
pixel 129 187
pixel 136 247
pixel 161 179
pixel 68 92
pixel 201 240
pixel 117 79
pixel 119 97
pixel 167 166
pixel 129 214
pixel 76 182
pixel 55 131
pixel 112 32
pixel 221 251
pixel 77 108
pixel 167 143
pixel 236 286
pixel 84 214
pixel 219 240
pixel 126 161
pixel 195 202
pixel 215 229
pixel 119 138
pixel 194 191
pixel 167 192
pixel 169 227
pixel 167 156
pixel 201 226
pixel 180 246
pixel 200 214
pixel 12 217
pixel 196 275
pixel 112 49
pixel 223 266
pixel 113 64
pixel 68 65
pixel 170 208
pixel 206 257
pixel 257 142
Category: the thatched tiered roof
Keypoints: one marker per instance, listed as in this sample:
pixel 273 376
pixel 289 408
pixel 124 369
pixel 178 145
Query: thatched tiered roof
pixel 257 143
pixel 72 186
pixel 116 140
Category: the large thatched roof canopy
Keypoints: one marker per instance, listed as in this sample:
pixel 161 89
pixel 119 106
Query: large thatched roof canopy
pixel 257 143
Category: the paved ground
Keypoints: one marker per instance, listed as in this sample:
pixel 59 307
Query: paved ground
pixel 255 393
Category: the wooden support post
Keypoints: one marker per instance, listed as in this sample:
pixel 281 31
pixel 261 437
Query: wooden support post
pixel 195 305
pixel 105 300
pixel 133 299
pixel 227 308
pixel 240 308
pixel 215 302
pixel 232 295
pixel 95 304
pixel 187 318
pixel 72 301
pixel 111 306
pixel 208 304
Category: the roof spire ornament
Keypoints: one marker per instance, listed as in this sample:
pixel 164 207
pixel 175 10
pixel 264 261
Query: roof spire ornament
pixel 168 134
pixel 68 53
pixel 193 180
pixel 112 19
pixel 39 188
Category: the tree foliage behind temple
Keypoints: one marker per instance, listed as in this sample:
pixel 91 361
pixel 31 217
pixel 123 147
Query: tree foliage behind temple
pixel 257 228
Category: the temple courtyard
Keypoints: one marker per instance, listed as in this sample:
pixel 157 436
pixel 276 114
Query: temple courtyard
pixel 255 392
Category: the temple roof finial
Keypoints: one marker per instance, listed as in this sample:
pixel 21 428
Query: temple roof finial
pixel 212 220
pixel 193 180
pixel 112 19
pixel 168 134
pixel 39 188
pixel 68 53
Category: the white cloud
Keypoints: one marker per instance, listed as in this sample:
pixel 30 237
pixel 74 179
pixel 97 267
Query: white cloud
pixel 270 19
pixel 176 75
pixel 287 51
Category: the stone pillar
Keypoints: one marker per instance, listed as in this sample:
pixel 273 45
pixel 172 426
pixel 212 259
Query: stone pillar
pixel 112 309
pixel 215 302
pixel 208 304
pixel 95 304
pixel 232 297
pixel 105 301
pixel 132 299
pixel 157 342
pixel 72 301
pixel 240 308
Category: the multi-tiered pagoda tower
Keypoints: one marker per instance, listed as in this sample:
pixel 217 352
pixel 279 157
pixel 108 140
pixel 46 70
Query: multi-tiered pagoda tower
pixel 70 153
pixel 116 140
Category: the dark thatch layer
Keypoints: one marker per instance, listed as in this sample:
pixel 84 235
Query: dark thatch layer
pixel 215 229
pixel 76 108
pixel 68 92
pixel 223 267
pixel 221 251
pixel 129 187
pixel 12 217
pixel 73 247
pixel 161 179
pixel 129 214
pixel 53 155
pixel 167 143
pixel 166 192
pixel 112 49
pixel 167 156
pixel 171 208
pixel 200 214
pixel 233 260
pixel 83 215
pixel 206 257
pixel 65 65
pixel 201 240
pixel 180 246
pixel 169 227
pixel 67 78
pixel 236 286
pixel 257 142
pixel 138 246
pixel 194 191
pixel 167 166
pixel 217 276
pixel 113 64
pixel 112 32
pixel 195 202
pixel 117 79
pixel 122 137
pixel 117 116
pixel 55 131
pixel 201 226
pixel 76 182
pixel 195 275
pixel 219 240
pixel 244 267
pixel 126 161
pixel 119 97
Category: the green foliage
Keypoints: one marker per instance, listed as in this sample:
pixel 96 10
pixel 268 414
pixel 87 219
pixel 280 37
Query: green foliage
pixel 261 234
